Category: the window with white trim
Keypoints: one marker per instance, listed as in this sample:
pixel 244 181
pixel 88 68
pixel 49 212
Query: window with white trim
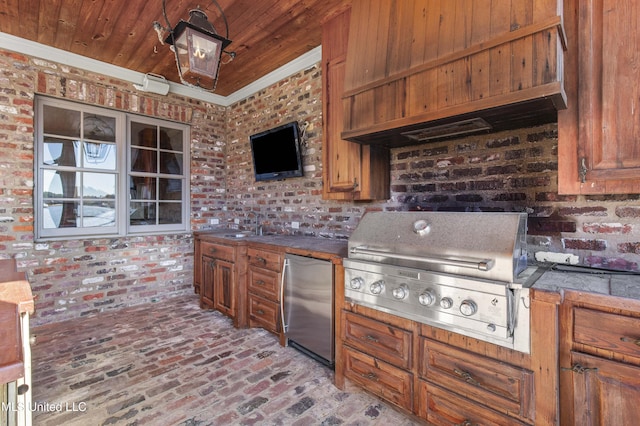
pixel 101 172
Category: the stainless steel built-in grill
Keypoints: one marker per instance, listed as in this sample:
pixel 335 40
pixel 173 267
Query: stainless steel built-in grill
pixel 464 272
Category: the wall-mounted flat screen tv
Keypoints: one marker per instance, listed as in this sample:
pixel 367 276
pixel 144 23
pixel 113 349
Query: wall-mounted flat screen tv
pixel 276 153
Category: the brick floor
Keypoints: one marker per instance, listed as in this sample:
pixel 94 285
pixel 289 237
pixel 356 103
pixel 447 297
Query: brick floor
pixel 172 363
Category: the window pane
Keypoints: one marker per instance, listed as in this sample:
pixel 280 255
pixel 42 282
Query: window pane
pixel 99 186
pixel 170 163
pixel 98 213
pixel 143 188
pixel 60 121
pixel 60 184
pixel 142 213
pixel 171 139
pixel 143 160
pixel 100 156
pixel 170 213
pixel 61 152
pixel 59 214
pixel 99 128
pixel 170 189
pixel 144 135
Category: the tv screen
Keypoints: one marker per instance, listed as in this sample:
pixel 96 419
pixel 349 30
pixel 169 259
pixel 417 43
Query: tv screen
pixel 276 153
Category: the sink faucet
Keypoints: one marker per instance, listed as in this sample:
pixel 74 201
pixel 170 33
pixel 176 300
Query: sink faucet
pixel 258 225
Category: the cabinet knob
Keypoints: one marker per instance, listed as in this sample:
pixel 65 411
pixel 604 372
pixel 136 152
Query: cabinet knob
pixel 371 338
pixel 467 377
pixel 371 376
pixel 578 368
pixel 630 340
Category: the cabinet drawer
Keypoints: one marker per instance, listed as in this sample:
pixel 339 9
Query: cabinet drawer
pixel 503 387
pixel 608 331
pixel 264 282
pixel 217 251
pixel 385 380
pixel 440 407
pixel 264 259
pixel 384 341
pixel 263 313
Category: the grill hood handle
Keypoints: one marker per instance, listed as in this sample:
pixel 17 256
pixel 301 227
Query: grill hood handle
pixel 480 264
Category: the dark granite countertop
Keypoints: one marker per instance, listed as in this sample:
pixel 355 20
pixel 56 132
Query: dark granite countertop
pixel 291 243
pixel 606 282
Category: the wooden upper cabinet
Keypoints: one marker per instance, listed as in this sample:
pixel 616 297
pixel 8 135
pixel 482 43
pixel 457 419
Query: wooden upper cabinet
pixel 350 171
pixel 416 61
pixel 598 134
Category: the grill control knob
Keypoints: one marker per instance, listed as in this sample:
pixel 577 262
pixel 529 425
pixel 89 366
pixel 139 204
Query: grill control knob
pixel 468 307
pixel 446 302
pixel 400 292
pixel 356 283
pixel 377 287
pixel 427 298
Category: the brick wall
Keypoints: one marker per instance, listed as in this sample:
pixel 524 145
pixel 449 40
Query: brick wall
pixel 509 171
pixel 73 278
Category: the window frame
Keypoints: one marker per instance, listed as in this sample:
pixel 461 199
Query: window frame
pixel 122 226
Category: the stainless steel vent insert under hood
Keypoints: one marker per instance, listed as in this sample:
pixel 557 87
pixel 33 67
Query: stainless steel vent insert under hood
pixel 456 128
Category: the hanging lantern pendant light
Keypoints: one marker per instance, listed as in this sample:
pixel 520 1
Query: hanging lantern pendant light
pixel 198 49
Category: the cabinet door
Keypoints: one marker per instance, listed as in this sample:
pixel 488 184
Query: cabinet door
pixel 350 171
pixel 605 392
pixel 385 380
pixel 598 151
pixel 443 408
pixel 224 288
pixel 207 283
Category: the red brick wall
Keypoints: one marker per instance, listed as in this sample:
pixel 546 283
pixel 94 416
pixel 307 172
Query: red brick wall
pixel 507 171
pixel 73 278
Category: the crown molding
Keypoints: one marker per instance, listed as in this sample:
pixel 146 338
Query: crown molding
pixel 38 50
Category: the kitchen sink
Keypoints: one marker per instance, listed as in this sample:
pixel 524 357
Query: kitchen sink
pixel 239 235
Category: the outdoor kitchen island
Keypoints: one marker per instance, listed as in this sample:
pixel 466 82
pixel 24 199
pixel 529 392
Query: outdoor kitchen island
pixel 444 377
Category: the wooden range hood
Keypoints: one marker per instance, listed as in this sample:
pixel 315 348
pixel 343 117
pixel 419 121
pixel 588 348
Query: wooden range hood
pixel 418 70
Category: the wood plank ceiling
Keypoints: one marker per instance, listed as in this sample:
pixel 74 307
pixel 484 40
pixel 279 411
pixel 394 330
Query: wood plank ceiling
pixel 265 34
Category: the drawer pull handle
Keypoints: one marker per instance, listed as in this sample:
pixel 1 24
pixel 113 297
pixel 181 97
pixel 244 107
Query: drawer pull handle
pixel 260 312
pixel 261 260
pixel 577 368
pixel 630 340
pixel 465 423
pixel 371 376
pixel 467 377
pixel 212 249
pixel 260 282
pixel 371 338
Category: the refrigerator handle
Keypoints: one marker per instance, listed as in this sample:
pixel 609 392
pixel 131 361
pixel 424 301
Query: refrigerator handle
pixel 284 269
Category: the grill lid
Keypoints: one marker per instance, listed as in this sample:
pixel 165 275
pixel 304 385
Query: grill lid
pixel 484 245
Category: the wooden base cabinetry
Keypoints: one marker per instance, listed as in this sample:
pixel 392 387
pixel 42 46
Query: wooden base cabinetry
pixel 378 355
pixel 220 267
pixel 600 360
pixel 444 378
pixel 503 391
pixel 263 286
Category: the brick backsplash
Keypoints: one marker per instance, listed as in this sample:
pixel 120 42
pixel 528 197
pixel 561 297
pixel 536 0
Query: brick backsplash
pixel 507 171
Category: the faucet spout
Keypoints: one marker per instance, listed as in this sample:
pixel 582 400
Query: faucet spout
pixel 258 225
